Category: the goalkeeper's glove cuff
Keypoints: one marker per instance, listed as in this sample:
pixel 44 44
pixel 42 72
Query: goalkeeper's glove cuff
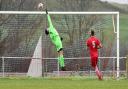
pixel 46 11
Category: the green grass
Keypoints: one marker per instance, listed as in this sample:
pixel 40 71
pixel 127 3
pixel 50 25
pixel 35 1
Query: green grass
pixel 61 83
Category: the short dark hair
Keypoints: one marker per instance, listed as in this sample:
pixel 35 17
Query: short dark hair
pixel 61 38
pixel 92 33
pixel 46 32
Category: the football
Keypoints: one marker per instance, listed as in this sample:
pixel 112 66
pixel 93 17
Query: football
pixel 40 6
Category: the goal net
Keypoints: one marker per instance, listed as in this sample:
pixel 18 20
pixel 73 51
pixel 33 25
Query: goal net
pixel 25 49
pixel 20 36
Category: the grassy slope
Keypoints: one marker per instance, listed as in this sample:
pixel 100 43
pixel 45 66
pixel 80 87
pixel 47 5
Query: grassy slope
pixel 121 6
pixel 123 27
pixel 123 20
pixel 62 84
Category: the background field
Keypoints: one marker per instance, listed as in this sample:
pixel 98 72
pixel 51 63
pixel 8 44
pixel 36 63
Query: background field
pixel 61 83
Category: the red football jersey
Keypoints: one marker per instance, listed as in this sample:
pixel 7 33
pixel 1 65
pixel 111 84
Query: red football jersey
pixel 92 43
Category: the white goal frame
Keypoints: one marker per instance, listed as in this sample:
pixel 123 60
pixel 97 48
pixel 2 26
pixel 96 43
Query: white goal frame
pixel 61 12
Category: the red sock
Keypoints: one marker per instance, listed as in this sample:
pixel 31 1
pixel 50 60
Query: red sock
pixel 98 73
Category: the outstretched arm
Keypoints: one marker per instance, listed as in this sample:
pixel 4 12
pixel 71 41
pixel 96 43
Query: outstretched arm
pixel 49 19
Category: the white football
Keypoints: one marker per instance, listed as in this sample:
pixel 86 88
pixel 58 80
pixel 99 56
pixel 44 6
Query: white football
pixel 40 5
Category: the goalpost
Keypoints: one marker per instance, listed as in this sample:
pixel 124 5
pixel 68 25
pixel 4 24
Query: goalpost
pixel 116 30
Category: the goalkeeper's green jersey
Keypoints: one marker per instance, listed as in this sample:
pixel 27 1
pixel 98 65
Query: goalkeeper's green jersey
pixel 54 35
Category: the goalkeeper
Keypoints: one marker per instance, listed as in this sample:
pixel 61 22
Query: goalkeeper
pixel 56 40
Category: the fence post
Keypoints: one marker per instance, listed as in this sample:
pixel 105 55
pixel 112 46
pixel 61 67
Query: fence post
pixel 58 72
pixel 3 67
pixel 127 66
pixel 114 73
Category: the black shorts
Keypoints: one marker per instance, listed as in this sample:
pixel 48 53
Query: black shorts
pixel 60 49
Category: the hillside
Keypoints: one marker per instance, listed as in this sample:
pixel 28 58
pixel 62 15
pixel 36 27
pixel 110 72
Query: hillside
pixel 121 6
pixel 83 5
pixel 61 5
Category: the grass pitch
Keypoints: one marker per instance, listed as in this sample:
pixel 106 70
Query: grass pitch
pixel 62 83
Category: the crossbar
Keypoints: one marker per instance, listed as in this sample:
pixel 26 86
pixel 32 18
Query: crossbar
pixel 54 12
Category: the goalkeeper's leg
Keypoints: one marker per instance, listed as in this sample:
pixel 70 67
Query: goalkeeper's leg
pixel 61 59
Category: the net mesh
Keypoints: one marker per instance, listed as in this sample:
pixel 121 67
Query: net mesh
pixel 75 30
pixel 19 36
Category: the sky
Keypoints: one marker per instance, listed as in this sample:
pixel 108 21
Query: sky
pixel 117 1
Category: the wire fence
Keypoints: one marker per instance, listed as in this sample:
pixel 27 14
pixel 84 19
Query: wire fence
pixel 77 66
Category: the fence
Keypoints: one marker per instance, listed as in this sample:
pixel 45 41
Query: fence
pixel 18 66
